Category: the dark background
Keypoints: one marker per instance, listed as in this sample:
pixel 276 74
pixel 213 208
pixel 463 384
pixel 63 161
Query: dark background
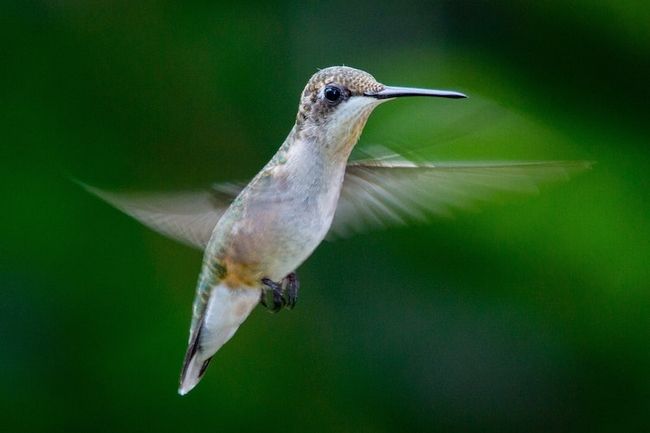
pixel 533 315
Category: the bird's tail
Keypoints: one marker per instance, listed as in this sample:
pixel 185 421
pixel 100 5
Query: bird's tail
pixel 226 309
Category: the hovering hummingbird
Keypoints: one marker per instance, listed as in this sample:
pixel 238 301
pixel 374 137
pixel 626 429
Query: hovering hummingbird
pixel 255 237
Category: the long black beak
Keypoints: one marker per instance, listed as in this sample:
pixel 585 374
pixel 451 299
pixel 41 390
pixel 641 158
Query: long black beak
pixel 397 92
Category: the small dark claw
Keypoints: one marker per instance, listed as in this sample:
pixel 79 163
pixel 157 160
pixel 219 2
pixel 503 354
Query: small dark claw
pixel 275 290
pixel 283 294
pixel 290 292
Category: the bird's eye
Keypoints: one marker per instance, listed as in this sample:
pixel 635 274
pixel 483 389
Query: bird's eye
pixel 332 94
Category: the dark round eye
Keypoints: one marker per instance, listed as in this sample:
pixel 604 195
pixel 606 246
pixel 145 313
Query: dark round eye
pixel 332 93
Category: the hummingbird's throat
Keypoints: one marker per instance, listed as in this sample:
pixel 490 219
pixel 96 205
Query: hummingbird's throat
pixel 345 128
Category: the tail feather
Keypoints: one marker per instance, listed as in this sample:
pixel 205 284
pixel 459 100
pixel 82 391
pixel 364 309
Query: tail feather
pixel 227 308
pixel 193 367
pixel 192 374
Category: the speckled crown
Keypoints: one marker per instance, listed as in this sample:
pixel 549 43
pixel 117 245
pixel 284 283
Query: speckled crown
pixel 355 80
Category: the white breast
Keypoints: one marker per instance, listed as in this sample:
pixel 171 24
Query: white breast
pixel 292 211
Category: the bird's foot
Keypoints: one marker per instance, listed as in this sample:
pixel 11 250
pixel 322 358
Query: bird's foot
pixel 283 294
pixel 290 294
pixel 272 295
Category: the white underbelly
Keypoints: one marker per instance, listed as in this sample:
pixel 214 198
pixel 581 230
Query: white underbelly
pixel 280 236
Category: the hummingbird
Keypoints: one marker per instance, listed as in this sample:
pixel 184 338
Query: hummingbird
pixel 255 236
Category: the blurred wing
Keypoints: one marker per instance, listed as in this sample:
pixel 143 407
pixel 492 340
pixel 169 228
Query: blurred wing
pixel 187 217
pixel 378 193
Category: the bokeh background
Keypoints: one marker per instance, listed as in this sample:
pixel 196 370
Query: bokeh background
pixel 531 315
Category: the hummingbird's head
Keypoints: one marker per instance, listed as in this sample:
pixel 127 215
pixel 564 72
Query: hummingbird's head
pixel 337 101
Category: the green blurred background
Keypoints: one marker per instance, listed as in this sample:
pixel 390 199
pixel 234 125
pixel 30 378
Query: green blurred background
pixel 533 315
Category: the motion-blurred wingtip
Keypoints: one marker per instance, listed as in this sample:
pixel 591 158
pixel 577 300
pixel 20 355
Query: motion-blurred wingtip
pixel 91 189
